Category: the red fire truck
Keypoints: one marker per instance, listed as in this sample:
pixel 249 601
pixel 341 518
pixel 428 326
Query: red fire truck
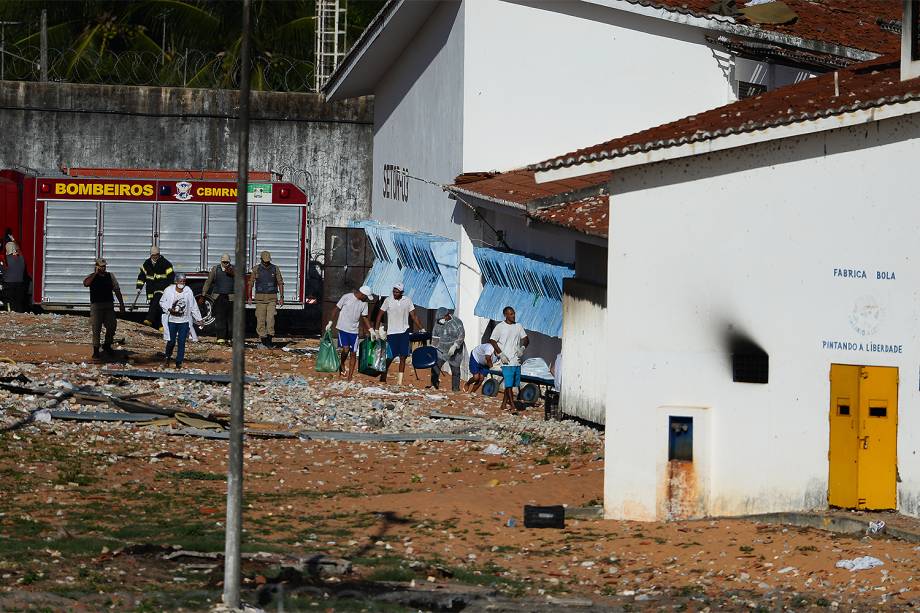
pixel 64 220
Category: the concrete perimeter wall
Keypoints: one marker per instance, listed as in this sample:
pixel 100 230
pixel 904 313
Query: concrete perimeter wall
pixel 325 148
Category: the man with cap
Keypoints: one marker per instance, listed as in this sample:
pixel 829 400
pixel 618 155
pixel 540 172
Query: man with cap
pixel 349 312
pixel 447 336
pixel 268 287
pixel 15 278
pixel 157 274
pixel 220 284
pixel 399 309
pixel 103 289
pixel 180 313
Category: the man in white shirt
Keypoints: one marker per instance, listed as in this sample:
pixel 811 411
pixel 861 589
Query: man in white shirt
pixel 509 341
pixel 399 310
pixel 349 312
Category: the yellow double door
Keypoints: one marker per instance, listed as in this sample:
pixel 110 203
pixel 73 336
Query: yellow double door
pixel 863 453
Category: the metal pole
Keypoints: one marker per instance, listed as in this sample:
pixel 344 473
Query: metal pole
pixel 44 47
pixel 2 51
pixel 231 596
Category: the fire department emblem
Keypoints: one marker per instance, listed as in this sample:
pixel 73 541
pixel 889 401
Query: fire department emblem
pixel 183 190
pixel 866 315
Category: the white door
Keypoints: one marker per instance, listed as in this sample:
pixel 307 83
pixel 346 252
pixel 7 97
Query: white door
pixel 222 234
pixel 127 234
pixel 70 250
pixel 180 235
pixel 278 231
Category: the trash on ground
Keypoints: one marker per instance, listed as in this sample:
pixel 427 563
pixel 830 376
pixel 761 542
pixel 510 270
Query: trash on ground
pixel 440 415
pixel 102 416
pixel 493 449
pixel 544 517
pixel 164 374
pixel 876 527
pixel 863 563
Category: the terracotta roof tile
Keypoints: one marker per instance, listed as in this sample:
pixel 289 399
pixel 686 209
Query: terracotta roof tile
pixel 589 215
pixel 519 189
pixel 852 23
pixel 863 86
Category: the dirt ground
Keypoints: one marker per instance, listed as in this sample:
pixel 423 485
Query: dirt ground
pixel 91 512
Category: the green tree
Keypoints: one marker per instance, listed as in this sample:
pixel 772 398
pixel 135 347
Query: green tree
pixel 175 42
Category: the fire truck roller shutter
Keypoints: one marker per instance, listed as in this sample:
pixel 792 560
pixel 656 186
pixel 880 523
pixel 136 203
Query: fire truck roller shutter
pixel 70 248
pixel 222 234
pixel 127 233
pixel 278 231
pixel 181 227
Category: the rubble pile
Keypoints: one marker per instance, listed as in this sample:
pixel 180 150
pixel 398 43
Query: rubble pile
pixel 291 403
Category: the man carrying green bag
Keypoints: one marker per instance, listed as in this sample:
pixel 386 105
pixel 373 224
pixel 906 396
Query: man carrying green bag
pixel 373 354
pixel 349 313
pixel 327 359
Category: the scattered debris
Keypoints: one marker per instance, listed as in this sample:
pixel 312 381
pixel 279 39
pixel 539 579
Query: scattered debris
pixel 493 449
pixel 164 374
pixel 102 416
pixel 440 415
pixel 876 527
pixel 381 437
pixel 863 563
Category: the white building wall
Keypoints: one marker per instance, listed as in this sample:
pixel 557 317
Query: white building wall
pixel 747 241
pixel 547 77
pixel 418 126
pixel 584 371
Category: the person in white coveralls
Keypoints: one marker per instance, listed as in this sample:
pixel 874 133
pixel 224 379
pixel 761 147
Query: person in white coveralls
pixel 180 312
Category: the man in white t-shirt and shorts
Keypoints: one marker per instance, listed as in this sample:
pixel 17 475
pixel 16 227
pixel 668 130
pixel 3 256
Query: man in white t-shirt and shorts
pixel 509 340
pixel 349 312
pixel 399 310
pixel 480 363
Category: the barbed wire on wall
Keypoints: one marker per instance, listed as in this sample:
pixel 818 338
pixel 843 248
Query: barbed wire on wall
pixel 189 68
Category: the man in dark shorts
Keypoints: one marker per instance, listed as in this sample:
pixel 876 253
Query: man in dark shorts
pixel 399 310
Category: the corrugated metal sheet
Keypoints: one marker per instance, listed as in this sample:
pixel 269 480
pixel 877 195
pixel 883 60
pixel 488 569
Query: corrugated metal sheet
pixel 278 230
pixel 222 233
pixel 70 248
pixel 425 264
pixel 533 287
pixel 180 235
pixel 127 234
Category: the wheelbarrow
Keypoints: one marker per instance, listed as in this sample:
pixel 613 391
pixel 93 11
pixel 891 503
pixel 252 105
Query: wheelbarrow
pixel 528 394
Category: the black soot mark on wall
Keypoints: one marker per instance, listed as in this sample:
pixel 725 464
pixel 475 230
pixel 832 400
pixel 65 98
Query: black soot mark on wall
pixel 750 362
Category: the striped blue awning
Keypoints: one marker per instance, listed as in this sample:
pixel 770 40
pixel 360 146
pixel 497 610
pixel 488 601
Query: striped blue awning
pixel 533 287
pixel 425 264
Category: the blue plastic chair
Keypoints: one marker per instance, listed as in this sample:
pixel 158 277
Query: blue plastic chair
pixel 425 357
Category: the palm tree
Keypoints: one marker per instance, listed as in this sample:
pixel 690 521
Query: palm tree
pixel 179 42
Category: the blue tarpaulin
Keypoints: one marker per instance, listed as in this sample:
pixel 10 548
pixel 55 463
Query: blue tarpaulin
pixel 425 264
pixel 533 287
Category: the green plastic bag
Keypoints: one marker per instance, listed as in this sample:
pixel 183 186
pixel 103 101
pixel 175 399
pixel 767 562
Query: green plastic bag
pixel 366 357
pixel 327 359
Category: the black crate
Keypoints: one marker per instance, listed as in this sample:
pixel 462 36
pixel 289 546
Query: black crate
pixel 544 517
pixel 551 406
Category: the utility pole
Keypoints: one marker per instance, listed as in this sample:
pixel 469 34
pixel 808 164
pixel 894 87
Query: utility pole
pixel 234 524
pixel 43 58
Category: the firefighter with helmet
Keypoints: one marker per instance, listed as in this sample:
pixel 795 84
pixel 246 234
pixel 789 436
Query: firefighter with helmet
pixel 157 274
